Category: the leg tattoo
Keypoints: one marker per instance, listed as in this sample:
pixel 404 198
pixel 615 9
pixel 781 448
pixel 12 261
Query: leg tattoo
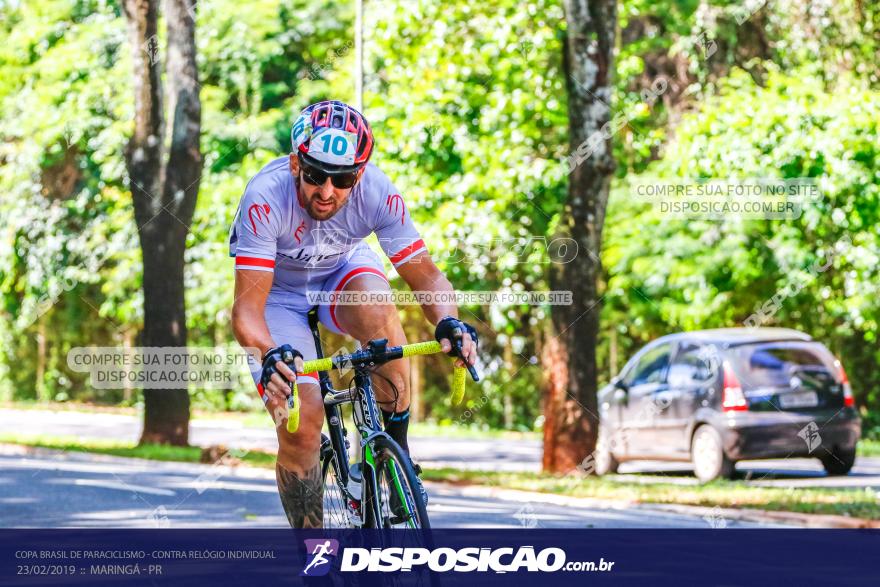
pixel 301 496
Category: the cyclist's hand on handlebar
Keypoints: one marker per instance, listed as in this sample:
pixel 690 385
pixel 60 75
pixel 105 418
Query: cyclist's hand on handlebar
pixel 457 339
pixel 277 373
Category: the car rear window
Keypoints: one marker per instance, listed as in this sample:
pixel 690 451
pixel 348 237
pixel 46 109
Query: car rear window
pixel 776 364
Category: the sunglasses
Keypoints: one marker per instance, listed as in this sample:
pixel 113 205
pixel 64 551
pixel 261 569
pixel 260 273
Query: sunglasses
pixel 315 176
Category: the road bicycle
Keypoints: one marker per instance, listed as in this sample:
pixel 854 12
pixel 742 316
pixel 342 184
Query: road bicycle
pixel 380 490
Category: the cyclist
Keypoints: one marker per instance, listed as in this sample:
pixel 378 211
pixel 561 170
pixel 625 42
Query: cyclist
pixel 299 229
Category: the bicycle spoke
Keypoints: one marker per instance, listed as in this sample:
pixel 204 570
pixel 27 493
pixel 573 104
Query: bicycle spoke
pixel 337 511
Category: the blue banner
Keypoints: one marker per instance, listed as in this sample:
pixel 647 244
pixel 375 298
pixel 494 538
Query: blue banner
pixel 228 558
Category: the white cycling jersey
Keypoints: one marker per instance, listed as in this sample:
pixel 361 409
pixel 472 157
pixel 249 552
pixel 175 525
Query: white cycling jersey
pixel 273 232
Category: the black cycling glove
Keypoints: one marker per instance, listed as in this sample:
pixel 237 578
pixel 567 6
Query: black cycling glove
pixel 453 329
pixel 284 353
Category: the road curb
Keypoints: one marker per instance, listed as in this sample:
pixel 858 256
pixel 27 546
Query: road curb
pixel 715 516
pixel 244 471
pixel 753 515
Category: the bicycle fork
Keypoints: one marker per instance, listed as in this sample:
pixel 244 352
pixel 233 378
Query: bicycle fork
pixel 367 419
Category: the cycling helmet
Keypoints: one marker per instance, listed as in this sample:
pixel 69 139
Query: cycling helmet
pixel 332 136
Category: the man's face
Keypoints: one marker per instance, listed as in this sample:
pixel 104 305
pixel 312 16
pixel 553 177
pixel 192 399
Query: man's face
pixel 323 201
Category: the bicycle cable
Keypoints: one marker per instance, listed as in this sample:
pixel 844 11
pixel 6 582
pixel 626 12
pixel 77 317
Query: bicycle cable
pixel 395 391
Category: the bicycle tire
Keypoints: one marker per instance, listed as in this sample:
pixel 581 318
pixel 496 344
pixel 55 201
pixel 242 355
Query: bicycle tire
pixel 336 508
pixel 388 456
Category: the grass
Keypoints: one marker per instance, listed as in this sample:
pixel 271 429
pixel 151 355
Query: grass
pixel 456 431
pixel 726 494
pixel 68 407
pixel 869 448
pixel 866 447
pixel 860 503
pixel 88 408
pixel 154 452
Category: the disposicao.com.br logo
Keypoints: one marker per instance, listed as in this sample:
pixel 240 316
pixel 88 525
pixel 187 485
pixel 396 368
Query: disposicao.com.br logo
pixel 469 559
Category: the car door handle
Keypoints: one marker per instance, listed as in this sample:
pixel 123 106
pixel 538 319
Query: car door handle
pixel 663 398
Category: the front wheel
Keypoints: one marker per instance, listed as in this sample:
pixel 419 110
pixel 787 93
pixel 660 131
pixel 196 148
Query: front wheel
pixel 400 501
pixel 340 511
pixel 400 506
pixel 605 461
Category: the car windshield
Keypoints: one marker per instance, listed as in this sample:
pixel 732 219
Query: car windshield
pixel 785 364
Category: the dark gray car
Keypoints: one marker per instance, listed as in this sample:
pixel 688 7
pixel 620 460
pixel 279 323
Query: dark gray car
pixel 715 397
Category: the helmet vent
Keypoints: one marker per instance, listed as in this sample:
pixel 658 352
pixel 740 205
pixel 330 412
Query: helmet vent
pixel 331 114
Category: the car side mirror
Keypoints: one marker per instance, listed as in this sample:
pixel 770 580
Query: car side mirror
pixel 621 392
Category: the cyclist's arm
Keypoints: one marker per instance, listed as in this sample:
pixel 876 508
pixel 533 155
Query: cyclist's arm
pixel 249 323
pixel 406 250
pixel 421 274
pixel 253 239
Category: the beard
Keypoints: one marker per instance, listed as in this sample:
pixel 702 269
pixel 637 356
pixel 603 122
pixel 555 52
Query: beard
pixel 325 213
pixel 320 212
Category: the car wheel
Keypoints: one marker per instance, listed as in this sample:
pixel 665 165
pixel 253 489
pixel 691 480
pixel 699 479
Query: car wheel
pixel 707 455
pixel 839 462
pixel 605 461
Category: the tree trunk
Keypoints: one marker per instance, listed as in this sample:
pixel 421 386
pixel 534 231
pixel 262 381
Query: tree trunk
pixel 41 390
pixel 127 344
pixel 164 192
pixel 507 399
pixel 555 365
pixel 572 419
pixel 612 352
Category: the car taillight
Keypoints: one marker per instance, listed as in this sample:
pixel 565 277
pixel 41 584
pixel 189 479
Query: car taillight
pixel 732 397
pixel 848 399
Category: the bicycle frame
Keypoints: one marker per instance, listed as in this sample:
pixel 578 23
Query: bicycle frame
pixel 366 415
pixel 367 420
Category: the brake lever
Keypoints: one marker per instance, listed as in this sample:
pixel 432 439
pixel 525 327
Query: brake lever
pixel 288 359
pixel 459 347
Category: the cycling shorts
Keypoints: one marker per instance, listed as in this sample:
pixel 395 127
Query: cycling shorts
pixel 288 321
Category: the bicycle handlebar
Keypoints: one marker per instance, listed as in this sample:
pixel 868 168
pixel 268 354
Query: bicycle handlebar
pixel 366 357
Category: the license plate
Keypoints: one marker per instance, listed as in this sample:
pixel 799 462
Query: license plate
pixel 807 399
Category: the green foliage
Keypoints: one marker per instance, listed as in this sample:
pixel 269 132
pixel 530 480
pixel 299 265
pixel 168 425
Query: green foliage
pixel 468 104
pixel 667 273
pixel 470 120
pixel 508 396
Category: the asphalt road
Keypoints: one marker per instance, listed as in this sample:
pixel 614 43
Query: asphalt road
pixel 506 455
pixel 40 488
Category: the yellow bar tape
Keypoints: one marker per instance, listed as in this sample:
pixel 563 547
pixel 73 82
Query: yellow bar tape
pixel 458 375
pixel 421 348
pixel 430 348
pixel 409 350
pixel 324 364
pixel 293 410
